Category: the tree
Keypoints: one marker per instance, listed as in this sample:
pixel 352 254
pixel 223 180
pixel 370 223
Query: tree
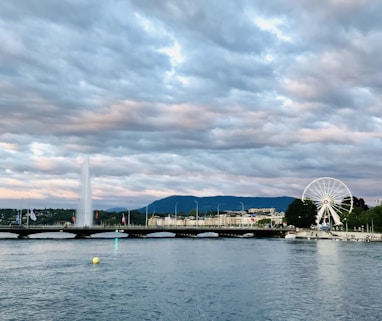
pixel 360 215
pixel 301 214
pixel 374 217
pixel 360 202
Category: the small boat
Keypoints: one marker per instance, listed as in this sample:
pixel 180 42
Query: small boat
pixel 248 235
pixel 290 236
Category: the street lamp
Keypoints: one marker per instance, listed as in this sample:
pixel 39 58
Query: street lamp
pixel 176 213
pixel 218 215
pixel 197 212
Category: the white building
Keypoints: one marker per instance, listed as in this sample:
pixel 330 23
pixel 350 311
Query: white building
pixel 229 218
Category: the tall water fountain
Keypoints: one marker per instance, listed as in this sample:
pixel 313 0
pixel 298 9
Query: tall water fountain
pixel 84 215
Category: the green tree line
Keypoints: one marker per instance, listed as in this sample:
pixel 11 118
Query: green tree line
pixel 303 214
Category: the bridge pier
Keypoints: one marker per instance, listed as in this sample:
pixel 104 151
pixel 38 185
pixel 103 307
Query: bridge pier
pixel 22 237
pixel 82 236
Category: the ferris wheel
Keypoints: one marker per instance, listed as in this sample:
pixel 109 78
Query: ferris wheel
pixel 331 197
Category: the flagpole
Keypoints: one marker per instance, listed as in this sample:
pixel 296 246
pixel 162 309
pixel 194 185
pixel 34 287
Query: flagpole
pixel 21 212
pixel 28 212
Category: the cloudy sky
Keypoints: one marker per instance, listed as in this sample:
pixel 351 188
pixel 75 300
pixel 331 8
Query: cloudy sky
pixel 188 97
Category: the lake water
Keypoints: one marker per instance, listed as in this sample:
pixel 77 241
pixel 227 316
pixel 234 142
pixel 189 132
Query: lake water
pixel 190 279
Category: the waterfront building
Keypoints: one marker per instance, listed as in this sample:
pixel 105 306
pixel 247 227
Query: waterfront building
pixel 251 217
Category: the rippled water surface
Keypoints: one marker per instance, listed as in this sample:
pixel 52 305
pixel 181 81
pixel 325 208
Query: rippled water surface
pixel 190 279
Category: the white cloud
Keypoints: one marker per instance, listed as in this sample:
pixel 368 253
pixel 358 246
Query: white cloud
pixel 273 26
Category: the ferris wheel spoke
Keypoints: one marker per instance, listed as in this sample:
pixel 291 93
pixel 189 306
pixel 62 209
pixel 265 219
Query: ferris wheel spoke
pixel 337 208
pixel 322 186
pixel 314 194
pixel 342 209
pixel 315 197
pixel 319 206
pixel 339 194
pixel 330 187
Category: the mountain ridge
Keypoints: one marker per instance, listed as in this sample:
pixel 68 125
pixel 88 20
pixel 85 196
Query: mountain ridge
pixel 187 203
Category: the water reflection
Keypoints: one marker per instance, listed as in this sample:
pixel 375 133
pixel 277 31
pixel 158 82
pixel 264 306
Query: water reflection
pixel 116 240
pixel 329 263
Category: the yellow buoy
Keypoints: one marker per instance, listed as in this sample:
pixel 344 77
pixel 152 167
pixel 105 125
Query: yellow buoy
pixel 95 260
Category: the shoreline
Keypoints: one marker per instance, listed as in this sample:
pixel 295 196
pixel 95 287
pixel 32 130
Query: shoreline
pixel 338 235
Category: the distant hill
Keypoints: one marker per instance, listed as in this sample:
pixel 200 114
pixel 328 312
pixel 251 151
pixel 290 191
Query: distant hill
pixel 116 209
pixel 186 204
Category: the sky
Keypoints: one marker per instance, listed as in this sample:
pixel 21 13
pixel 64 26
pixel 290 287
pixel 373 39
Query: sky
pixel 187 97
